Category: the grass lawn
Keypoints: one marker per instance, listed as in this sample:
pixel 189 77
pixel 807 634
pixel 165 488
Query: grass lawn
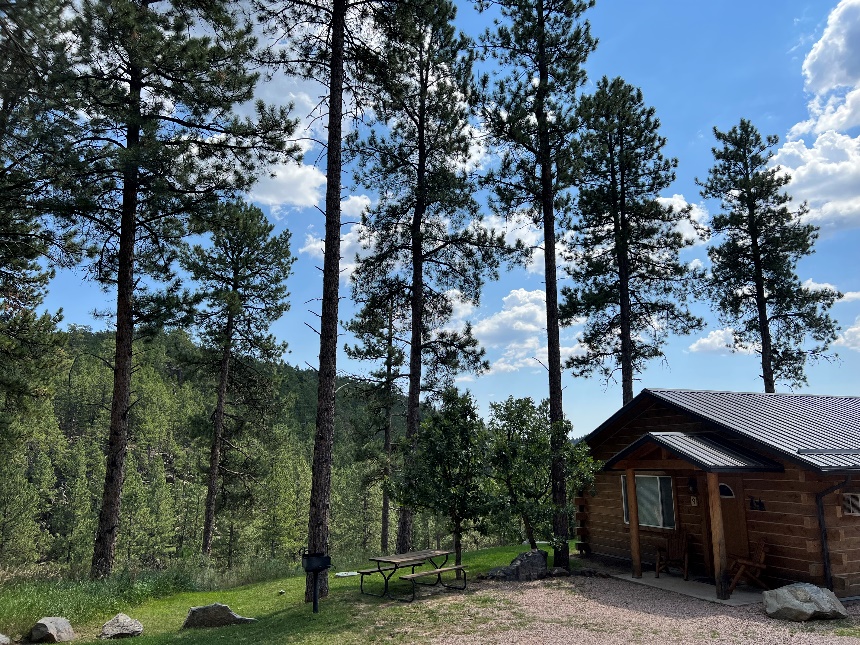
pixel 346 616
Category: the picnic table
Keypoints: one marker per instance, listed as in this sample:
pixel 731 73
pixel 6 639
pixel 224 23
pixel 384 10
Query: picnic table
pixel 388 565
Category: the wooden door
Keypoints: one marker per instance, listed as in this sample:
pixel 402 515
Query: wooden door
pixel 734 516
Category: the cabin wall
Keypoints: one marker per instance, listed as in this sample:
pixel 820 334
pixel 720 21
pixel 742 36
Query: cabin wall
pixel 788 524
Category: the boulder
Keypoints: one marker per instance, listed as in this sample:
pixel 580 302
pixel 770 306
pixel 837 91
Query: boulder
pixel 802 601
pixel 52 629
pixel 530 565
pixel 214 615
pixel 121 626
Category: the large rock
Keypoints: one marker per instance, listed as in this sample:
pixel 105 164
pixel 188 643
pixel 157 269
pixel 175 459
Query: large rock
pixel 802 601
pixel 530 565
pixel 52 629
pixel 121 626
pixel 214 615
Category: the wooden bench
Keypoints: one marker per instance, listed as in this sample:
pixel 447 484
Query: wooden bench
pixel 413 578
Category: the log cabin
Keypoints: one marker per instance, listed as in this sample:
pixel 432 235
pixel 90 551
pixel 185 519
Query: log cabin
pixel 734 473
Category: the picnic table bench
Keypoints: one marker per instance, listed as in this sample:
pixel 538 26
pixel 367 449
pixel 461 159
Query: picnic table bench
pixel 411 560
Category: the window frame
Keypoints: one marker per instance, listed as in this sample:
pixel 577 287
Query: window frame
pixel 661 505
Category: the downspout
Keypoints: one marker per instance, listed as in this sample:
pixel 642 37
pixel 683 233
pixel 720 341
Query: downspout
pixel 825 547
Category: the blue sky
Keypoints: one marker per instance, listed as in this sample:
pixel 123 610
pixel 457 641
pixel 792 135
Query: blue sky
pixel 792 67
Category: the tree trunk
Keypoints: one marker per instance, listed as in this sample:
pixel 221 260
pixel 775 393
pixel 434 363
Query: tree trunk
pixel 217 435
pixel 320 504
pixel 104 547
pixel 622 235
pixel 561 531
pixel 389 421
pixel 761 304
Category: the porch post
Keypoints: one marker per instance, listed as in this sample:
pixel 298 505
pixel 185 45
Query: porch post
pixel 718 537
pixel 633 516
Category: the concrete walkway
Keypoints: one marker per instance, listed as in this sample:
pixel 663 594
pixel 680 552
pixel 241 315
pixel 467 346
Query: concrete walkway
pixel 703 591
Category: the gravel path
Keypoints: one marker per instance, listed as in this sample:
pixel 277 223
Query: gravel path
pixel 585 611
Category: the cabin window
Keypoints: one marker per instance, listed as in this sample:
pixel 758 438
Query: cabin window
pixel 656 502
pixel 851 503
pixel 726 491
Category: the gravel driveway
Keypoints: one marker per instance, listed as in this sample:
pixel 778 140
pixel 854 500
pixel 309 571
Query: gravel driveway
pixel 582 611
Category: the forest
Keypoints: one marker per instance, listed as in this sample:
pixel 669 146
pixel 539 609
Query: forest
pixel 130 137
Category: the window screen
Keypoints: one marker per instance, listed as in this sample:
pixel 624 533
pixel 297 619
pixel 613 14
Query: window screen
pixel 655 501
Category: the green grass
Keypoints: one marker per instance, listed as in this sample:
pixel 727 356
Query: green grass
pixel 160 600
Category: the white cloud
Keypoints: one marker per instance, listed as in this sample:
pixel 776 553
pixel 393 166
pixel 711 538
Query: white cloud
pixel 296 185
pixel 719 341
pixel 850 296
pixel 350 247
pixel 519 330
pixel 812 285
pixel 354 205
pixel 850 337
pixel 826 176
pixel 698 214
pixel 834 60
pixel 826 172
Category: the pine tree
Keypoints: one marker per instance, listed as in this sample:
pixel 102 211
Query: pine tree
pixel 753 284
pixel 158 85
pixel 631 286
pixel 541 46
pixel 424 236
pixel 241 274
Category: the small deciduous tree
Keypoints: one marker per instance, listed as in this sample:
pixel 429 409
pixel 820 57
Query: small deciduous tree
pixel 447 472
pixel 754 284
pixel 631 286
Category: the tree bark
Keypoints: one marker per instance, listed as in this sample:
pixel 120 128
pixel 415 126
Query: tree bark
pixel 217 435
pixel 320 504
pixel 104 547
pixel 761 302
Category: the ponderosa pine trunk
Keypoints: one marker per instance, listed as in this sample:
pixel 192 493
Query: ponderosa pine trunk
pixel 104 547
pixel 761 304
pixel 217 439
pixel 320 503
pixel 558 471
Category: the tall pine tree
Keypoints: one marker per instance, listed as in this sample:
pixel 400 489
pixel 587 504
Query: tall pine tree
pixel 158 84
pixel 754 284
pixel 241 275
pixel 630 283
pixel 424 237
pixel 541 46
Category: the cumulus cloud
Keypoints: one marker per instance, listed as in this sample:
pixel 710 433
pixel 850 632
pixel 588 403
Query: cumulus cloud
pixel 826 171
pixel 296 185
pixel 698 215
pixel 850 296
pixel 719 341
pixel 519 331
pixel 850 338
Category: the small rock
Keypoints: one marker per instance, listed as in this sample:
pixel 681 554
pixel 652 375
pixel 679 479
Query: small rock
pixel 4 640
pixel 52 629
pixel 281 592
pixel 558 572
pixel 121 626
pixel 802 601
pixel 214 615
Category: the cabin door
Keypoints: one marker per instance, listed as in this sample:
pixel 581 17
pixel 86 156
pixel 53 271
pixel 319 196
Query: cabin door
pixel 734 516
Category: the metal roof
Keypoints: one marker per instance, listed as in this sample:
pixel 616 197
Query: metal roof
pixel 707 451
pixel 820 431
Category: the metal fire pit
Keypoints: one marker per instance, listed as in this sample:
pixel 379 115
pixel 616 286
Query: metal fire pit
pixel 316 563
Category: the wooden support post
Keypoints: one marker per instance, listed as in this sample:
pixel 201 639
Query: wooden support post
pixel 718 537
pixel 633 516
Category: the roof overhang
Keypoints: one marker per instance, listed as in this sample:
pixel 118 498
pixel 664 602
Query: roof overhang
pixel 707 452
